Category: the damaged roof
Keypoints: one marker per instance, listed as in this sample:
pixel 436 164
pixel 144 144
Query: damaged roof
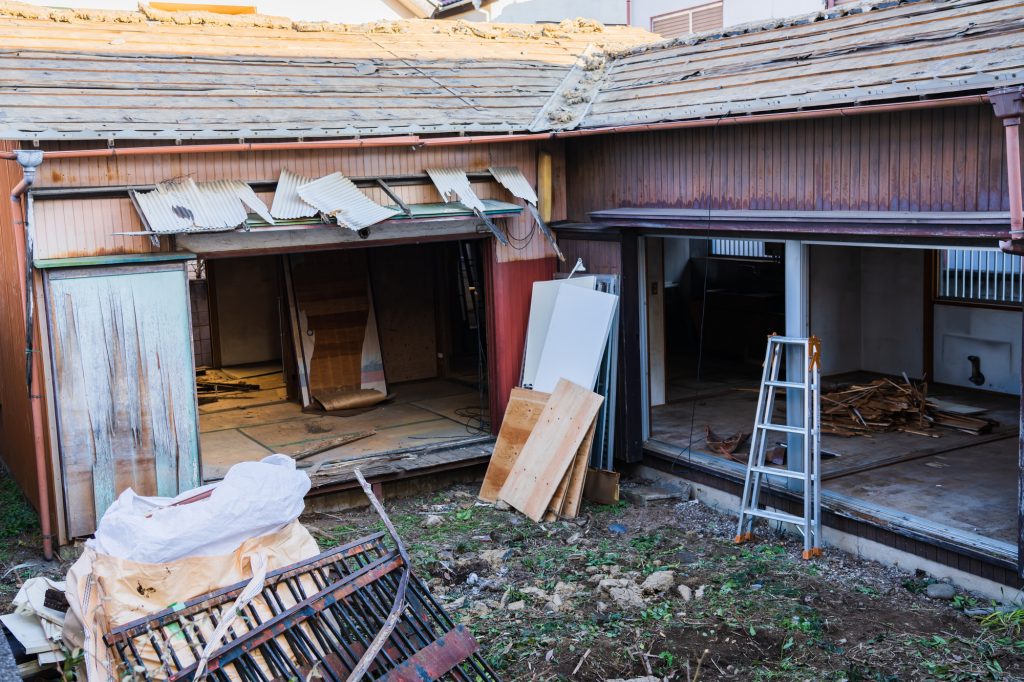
pixel 895 49
pixel 88 74
pixel 151 74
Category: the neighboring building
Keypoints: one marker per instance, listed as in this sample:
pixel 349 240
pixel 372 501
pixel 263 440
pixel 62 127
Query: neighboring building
pixel 853 175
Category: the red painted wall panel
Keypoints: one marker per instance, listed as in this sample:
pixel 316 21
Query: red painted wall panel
pixel 508 308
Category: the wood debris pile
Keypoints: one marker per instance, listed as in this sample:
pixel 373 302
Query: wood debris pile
pixel 539 464
pixel 212 385
pixel 885 405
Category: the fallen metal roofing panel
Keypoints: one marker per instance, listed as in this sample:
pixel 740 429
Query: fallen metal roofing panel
pixel 288 205
pixel 512 179
pixel 453 181
pixel 337 196
pixel 183 206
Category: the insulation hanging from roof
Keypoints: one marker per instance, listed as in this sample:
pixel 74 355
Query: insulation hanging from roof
pixel 337 196
pixel 288 205
pixel 183 205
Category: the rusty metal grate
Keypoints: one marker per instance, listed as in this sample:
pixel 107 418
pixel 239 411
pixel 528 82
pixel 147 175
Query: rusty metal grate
pixel 316 618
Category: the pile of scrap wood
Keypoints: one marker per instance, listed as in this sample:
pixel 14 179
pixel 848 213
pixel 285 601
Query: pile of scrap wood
pixel 885 405
pixel 212 385
pixel 540 459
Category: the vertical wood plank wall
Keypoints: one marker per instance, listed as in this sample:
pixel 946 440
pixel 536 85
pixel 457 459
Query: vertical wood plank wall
pixel 81 227
pixel 950 159
pixel 15 409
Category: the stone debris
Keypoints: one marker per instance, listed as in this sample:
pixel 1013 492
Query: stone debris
pixel 659 582
pixel 431 521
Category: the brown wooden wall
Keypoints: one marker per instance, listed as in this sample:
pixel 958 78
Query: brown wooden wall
pixel 86 227
pixel 15 410
pixel 948 159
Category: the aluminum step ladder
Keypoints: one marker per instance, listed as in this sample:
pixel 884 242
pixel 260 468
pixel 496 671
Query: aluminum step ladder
pixel 809 389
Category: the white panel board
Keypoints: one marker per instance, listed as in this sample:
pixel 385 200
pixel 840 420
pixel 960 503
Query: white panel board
pixel 542 304
pixel 580 322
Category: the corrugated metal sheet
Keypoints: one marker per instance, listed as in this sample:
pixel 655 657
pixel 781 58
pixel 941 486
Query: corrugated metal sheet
pixel 512 179
pixel 453 181
pixel 288 205
pixel 841 56
pixel 184 206
pixel 337 196
pixel 72 77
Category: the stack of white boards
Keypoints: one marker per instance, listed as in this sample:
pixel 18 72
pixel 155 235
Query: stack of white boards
pixel 567 332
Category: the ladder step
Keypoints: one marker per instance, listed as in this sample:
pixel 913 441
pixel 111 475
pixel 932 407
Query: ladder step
pixel 776 516
pixel 786 384
pixel 784 473
pixel 785 429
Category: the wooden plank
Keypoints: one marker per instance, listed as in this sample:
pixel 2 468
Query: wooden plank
pixel 602 486
pixel 578 477
pixel 548 452
pixel 523 411
pixel 565 503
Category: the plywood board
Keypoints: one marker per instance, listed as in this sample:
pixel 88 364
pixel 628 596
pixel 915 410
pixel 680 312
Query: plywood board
pixel 463 407
pixel 291 433
pixel 224 449
pixel 404 298
pixel 577 335
pixel 601 486
pixel 258 415
pixel 542 304
pixel 550 448
pixel 522 413
pixel 244 297
pixel 335 322
pixel 578 477
pixel 565 502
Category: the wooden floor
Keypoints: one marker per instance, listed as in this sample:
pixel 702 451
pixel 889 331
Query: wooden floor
pixel 965 481
pixel 260 423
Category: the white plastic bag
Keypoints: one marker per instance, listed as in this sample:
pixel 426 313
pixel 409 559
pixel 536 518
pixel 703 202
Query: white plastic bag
pixel 255 498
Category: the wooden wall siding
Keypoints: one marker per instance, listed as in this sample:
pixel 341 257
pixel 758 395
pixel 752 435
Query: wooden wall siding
pixel 124 386
pixel 599 257
pixel 939 160
pixel 79 227
pixel 16 447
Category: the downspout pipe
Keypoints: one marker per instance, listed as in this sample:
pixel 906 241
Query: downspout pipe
pixel 1008 104
pixel 30 160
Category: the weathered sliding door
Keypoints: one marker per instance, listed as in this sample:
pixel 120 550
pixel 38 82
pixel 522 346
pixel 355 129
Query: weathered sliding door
pixel 124 385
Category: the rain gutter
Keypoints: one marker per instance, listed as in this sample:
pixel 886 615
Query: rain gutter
pixel 416 141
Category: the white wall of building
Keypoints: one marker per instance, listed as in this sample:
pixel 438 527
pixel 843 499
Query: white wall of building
pixel 733 11
pixel 533 11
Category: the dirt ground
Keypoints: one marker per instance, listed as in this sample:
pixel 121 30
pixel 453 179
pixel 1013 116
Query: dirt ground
pixel 658 592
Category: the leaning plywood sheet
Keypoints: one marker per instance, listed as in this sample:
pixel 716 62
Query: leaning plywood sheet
pixel 542 304
pixel 336 327
pixel 550 449
pixel 566 501
pixel 522 413
pixel 580 323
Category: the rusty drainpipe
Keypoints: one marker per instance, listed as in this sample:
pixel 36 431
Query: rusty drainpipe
pixel 1008 104
pixel 29 160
